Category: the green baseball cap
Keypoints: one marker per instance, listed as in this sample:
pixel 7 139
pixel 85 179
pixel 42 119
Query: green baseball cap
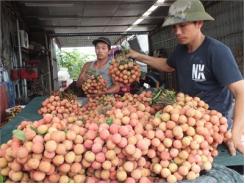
pixel 186 11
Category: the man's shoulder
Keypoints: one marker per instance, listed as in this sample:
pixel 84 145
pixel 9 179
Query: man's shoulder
pixel 214 44
pixel 88 63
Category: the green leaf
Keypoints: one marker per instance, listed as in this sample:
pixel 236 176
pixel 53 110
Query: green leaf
pixel 156 95
pixel 157 115
pixel 2 178
pixel 19 134
pixel 109 121
pixel 172 161
pixel 34 129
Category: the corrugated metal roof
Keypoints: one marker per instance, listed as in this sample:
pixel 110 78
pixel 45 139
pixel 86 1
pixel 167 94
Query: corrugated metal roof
pixel 90 16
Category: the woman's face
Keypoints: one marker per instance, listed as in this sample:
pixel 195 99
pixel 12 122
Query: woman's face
pixel 102 50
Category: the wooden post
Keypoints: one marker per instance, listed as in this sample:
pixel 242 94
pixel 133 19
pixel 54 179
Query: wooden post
pixel 0 30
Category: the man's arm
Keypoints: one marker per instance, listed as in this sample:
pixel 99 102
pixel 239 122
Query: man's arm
pixel 237 88
pixel 82 75
pixel 155 62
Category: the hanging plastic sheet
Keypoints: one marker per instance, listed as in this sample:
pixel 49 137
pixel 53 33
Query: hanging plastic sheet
pixel 11 94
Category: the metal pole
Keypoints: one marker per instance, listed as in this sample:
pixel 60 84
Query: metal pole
pixel 98 34
pixel 24 85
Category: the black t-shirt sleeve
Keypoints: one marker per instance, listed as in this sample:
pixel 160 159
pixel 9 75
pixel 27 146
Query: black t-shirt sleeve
pixel 224 65
pixel 171 61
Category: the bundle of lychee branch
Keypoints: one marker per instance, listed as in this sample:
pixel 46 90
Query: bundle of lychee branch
pixel 123 69
pixel 94 84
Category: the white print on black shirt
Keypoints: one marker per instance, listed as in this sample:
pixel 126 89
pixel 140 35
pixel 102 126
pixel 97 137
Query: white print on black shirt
pixel 198 72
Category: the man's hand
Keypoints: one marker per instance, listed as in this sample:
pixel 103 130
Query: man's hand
pixel 101 93
pixel 237 139
pixel 237 89
pixel 235 142
pixel 97 94
pixel 132 54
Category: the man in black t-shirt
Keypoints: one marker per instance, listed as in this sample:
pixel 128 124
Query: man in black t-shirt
pixel 205 67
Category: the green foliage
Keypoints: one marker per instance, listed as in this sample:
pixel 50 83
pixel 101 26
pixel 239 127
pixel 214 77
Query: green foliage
pixel 109 121
pixel 73 60
pixel 163 96
pixel 2 178
pixel 19 134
